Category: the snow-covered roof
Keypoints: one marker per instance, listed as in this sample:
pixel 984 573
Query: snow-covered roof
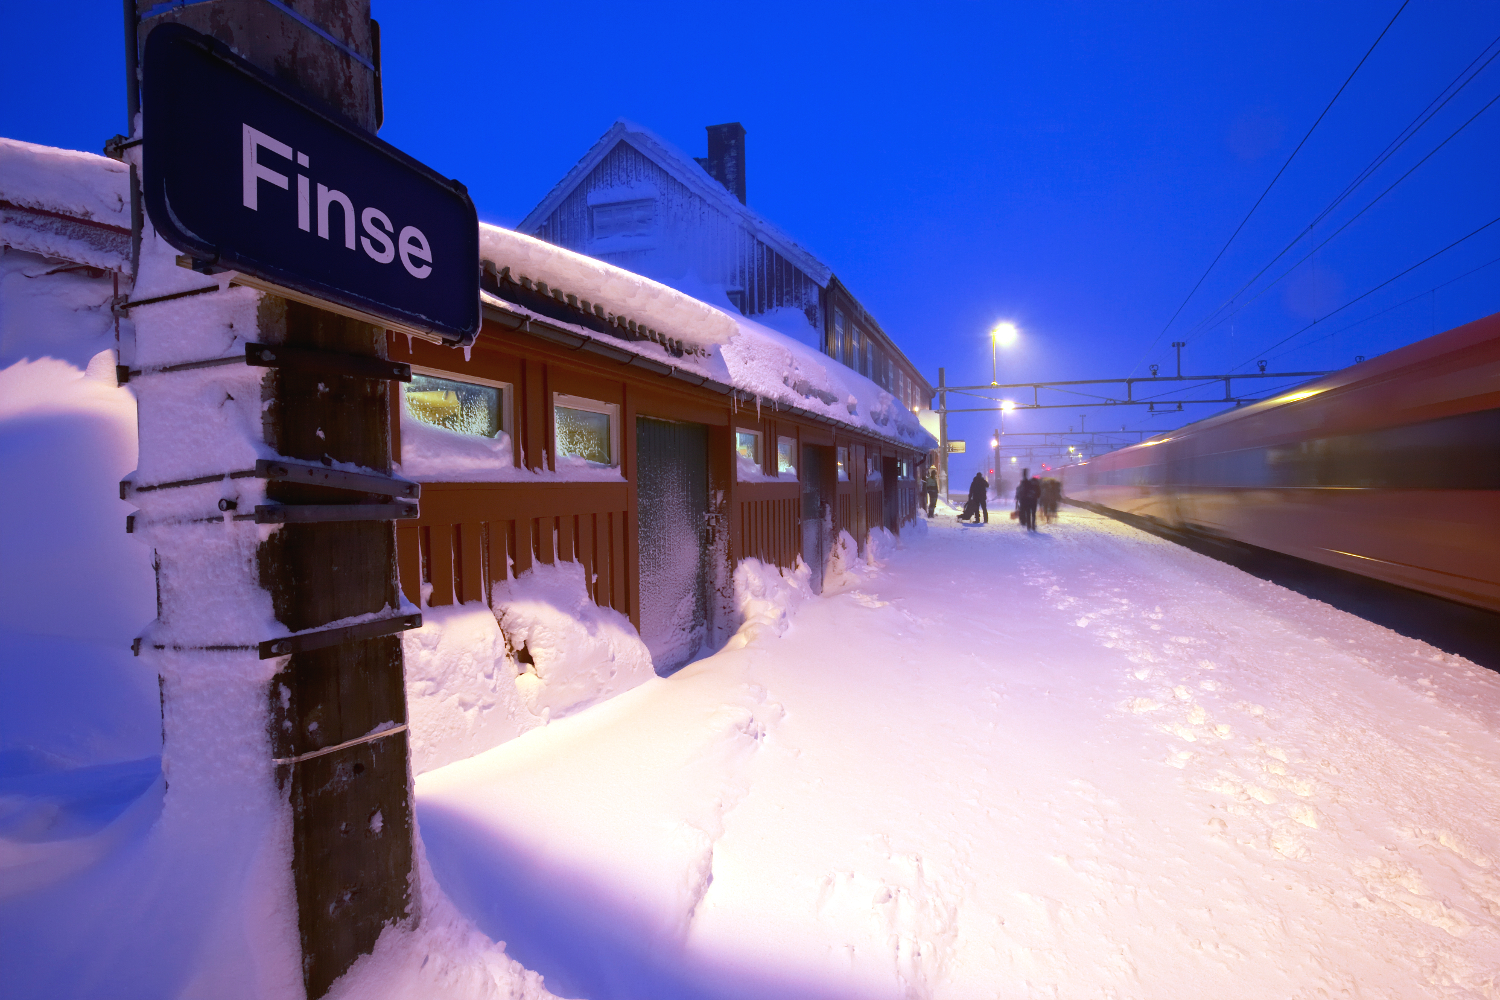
pixel 763 367
pixel 64 203
pixel 685 169
pixel 608 291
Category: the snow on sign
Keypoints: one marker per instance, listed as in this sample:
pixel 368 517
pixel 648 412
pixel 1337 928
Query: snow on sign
pixel 254 178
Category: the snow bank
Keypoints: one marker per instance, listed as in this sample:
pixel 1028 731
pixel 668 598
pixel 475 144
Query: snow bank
pixel 466 689
pixel 766 598
pixel 581 653
pixel 65 181
pixel 461 693
pixel 436 454
pixel 617 291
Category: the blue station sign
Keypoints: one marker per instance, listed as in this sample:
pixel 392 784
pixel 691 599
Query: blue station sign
pixel 250 176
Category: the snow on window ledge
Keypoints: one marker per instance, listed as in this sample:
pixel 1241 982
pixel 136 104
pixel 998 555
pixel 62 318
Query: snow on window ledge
pixel 747 471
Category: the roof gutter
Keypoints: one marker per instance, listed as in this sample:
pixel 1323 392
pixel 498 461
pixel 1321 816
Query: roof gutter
pixel 573 340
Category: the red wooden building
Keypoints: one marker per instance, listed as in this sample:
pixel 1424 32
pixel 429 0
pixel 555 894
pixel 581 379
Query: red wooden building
pixel 605 419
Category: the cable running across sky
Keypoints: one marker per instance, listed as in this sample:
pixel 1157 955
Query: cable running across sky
pixel 1269 186
pixel 1208 322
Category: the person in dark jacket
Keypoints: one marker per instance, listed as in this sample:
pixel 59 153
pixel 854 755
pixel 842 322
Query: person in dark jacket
pixel 1051 496
pixel 1028 492
pixel 930 490
pixel 977 500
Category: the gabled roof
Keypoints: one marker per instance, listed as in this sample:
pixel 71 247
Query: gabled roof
pixel 687 171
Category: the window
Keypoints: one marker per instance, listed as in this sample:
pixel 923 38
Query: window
pixel 864 354
pixel 624 220
pixel 786 456
pixel 872 467
pixel 836 343
pixel 843 456
pixel 586 428
pixel 479 407
pixel 747 444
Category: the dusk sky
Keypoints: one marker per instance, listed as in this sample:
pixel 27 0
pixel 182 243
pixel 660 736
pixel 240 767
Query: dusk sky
pixel 1071 167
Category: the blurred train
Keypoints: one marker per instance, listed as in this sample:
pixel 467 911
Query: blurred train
pixel 1389 469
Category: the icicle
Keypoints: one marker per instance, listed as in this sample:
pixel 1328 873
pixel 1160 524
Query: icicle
pixel 467 349
pixel 757 407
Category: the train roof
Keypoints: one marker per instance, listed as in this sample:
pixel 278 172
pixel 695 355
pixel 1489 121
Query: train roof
pixel 1376 369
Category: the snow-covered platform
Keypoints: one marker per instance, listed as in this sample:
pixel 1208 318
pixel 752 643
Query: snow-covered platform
pixel 1084 762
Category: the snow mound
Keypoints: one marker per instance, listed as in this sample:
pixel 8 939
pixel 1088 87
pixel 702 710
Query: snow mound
pixel 65 181
pixel 766 598
pixel 614 289
pixel 460 686
pixel 581 653
pixel 436 454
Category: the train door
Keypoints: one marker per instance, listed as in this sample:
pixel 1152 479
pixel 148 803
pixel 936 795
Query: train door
pixel 672 526
pixel 818 474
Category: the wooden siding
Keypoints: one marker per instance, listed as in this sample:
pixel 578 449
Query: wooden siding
pixel 691 235
pixel 770 526
pixel 472 536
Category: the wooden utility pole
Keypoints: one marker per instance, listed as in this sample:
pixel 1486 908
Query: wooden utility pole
pixel 335 715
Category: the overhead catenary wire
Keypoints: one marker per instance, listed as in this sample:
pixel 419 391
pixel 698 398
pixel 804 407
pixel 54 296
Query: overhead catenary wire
pixel 1367 294
pixel 1375 315
pixel 1267 191
pixel 1277 280
pixel 1452 90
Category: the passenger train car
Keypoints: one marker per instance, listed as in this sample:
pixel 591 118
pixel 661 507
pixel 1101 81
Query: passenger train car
pixel 1389 469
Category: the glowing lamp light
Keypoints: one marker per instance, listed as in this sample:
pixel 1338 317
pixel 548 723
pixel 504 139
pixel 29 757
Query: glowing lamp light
pixel 1012 460
pixel 1006 404
pixel 1004 334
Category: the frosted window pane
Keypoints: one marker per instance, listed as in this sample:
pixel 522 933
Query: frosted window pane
pixel 624 218
pixel 843 465
pixel 583 433
pixel 748 445
pixel 786 455
pixel 455 406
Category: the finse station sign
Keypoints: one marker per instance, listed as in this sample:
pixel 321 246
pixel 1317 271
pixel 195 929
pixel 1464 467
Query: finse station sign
pixel 248 175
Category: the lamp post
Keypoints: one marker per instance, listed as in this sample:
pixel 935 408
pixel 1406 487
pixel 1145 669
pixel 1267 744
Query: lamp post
pixel 1001 335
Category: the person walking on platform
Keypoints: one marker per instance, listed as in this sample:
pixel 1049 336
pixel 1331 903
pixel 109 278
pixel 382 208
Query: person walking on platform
pixel 1051 496
pixel 930 491
pixel 1028 491
pixel 977 500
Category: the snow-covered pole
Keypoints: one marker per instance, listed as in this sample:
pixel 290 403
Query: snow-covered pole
pixel 286 760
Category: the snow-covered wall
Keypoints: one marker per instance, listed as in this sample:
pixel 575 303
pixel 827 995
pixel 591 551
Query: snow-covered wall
pixel 467 687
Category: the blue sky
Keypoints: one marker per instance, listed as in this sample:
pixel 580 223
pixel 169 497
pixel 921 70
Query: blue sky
pixel 1071 167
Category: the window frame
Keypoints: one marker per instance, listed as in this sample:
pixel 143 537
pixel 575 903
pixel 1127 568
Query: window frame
pixel 507 392
pixel 760 446
pixel 792 440
pixel 611 410
pixel 841 463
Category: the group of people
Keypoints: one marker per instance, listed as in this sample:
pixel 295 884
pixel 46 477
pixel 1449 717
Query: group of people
pixel 1032 492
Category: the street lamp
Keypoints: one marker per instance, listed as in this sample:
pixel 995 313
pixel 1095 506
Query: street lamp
pixel 1002 335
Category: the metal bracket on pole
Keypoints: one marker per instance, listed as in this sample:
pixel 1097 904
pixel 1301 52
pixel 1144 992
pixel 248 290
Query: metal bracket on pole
pixel 279 513
pixel 284 513
pixel 302 642
pixel 300 359
pixel 307 474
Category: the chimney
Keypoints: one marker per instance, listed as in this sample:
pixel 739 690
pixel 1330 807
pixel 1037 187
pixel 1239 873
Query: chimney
pixel 725 162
